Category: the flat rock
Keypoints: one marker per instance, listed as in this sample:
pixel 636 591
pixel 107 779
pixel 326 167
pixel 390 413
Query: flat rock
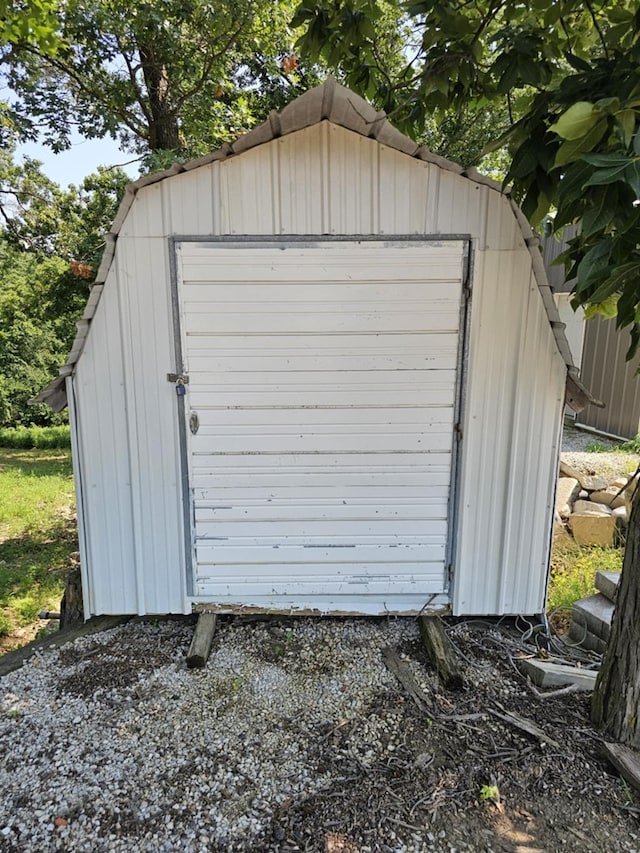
pixel 590 508
pixel 606 496
pixel 568 471
pixel 593 483
pixel 607 584
pixel 587 640
pixel 621 514
pixel 547 674
pixel 594 612
pixel 594 529
pixel 566 494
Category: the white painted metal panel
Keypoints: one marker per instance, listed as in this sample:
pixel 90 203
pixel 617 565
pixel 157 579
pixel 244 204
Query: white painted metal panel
pixel 315 182
pixel 510 447
pixel 103 462
pixel 322 464
pixel 152 426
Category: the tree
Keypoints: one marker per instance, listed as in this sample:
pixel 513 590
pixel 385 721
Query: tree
pixel 163 76
pixel 50 246
pixel 569 74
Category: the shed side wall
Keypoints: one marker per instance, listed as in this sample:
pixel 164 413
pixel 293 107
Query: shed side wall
pixel 327 180
pixel 104 464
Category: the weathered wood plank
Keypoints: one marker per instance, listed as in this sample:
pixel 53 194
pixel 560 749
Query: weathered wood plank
pixel 625 760
pixel 200 647
pixel 402 672
pixel 525 725
pixel 547 674
pixel 441 652
pixel 15 659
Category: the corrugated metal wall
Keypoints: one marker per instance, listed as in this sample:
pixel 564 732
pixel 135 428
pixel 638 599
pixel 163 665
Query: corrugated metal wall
pixel 611 379
pixel 323 180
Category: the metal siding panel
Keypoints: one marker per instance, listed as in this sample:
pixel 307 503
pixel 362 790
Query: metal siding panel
pixel 300 180
pixel 404 193
pixel 352 183
pixel 611 379
pixel 105 464
pixel 515 381
pixel 188 202
pixel 152 424
pixel 248 194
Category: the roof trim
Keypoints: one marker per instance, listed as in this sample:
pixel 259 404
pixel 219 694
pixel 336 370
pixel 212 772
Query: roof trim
pixel 339 105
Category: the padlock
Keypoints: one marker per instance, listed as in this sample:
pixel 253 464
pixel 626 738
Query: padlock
pixel 180 388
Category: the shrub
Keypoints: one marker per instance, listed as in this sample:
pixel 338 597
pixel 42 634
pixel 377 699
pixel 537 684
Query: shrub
pixel 41 438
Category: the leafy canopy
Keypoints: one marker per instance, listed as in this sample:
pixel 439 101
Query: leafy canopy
pixel 569 75
pixel 171 76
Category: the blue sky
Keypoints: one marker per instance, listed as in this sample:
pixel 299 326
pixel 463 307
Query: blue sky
pixel 84 156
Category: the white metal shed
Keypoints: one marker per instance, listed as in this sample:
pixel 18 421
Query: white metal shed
pixel 321 370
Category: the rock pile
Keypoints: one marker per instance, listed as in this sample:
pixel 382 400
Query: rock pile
pixel 594 508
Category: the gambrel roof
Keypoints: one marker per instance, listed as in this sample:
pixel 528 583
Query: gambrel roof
pixel 334 103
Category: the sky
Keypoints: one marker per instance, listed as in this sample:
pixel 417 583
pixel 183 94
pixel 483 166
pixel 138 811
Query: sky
pixel 84 156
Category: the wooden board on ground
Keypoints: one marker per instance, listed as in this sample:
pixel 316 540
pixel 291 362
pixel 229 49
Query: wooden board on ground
pixel 525 725
pixel 402 672
pixel 441 652
pixel 200 647
pixel 14 659
pixel 625 760
pixel 547 674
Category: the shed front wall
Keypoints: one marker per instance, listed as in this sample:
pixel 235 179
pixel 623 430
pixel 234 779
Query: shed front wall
pixel 321 181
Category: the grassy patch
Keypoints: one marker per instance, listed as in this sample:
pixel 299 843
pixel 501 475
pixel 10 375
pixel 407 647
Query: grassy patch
pixel 573 570
pixel 37 533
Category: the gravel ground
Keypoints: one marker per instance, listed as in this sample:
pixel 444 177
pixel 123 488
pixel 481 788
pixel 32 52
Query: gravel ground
pixel 574 452
pixel 296 737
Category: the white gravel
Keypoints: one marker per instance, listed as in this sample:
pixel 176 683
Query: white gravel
pixel 134 752
pixel 576 451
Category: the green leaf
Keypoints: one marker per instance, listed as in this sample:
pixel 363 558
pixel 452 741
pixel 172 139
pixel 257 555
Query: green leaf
pixel 576 121
pixel 632 176
pixel 626 121
pixel 613 283
pixel 602 161
pixel 636 142
pixel 572 149
pixel 600 211
pixel 608 176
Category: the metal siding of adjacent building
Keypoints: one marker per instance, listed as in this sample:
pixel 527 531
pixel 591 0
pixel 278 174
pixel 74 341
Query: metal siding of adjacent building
pixel 299 184
pixel 99 417
pixel 611 379
pixel 515 388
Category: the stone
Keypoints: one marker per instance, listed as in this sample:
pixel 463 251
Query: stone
pixel 589 508
pixel 593 483
pixel 568 471
pixel 595 613
pixel 566 493
pixel 607 583
pixel 606 496
pixel 621 514
pixel 584 495
pixel 593 528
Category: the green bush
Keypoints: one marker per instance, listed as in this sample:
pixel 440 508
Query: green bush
pixel 41 438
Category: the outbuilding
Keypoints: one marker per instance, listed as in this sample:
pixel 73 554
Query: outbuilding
pixel 320 371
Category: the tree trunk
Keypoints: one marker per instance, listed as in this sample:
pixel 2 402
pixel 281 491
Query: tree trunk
pixel 616 698
pixel 164 132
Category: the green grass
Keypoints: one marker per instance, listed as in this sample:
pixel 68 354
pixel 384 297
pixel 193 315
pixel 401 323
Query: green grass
pixel 25 438
pixel 573 571
pixel 37 533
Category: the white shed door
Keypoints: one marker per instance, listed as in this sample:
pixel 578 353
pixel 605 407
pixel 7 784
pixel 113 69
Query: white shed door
pixel 323 378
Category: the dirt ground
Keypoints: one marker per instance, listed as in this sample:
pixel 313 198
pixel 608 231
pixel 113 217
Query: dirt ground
pixel 463 779
pixel 458 777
